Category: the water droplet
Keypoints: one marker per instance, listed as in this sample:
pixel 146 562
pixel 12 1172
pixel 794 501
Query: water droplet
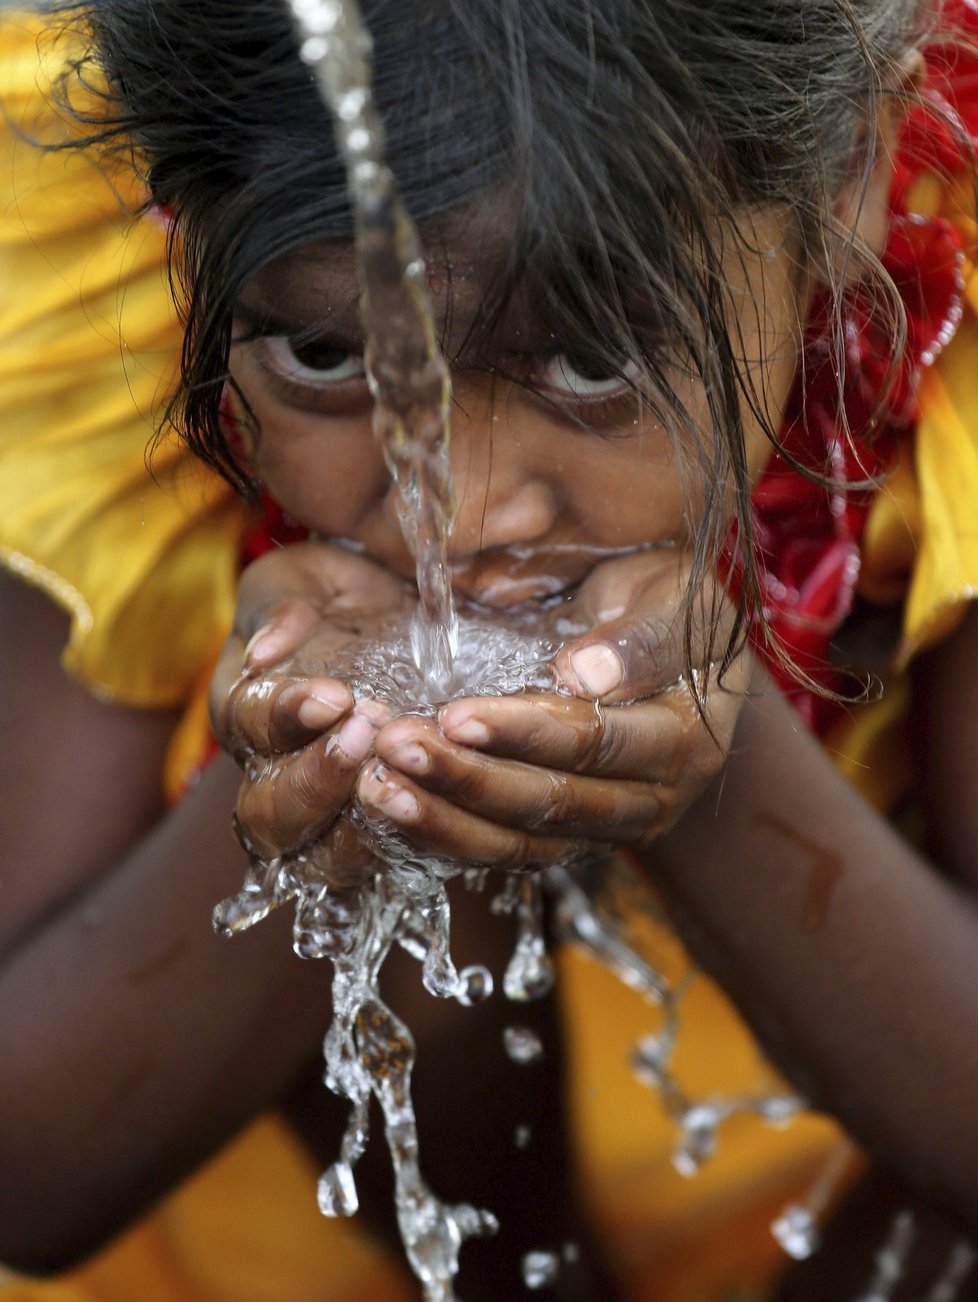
pixel 795 1230
pixel 540 1269
pixel 650 1060
pixel 698 1137
pixel 475 986
pixel 350 105
pixel 522 1136
pixel 529 975
pixel 313 50
pixel 522 1045
pixel 359 140
pixel 960 1262
pixel 337 1191
pixel 779 1109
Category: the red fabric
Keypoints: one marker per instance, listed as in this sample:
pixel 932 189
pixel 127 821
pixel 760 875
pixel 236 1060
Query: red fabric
pixel 808 532
pixel 842 425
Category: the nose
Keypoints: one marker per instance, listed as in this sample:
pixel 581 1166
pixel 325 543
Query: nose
pixel 501 512
pixel 504 493
pixel 509 510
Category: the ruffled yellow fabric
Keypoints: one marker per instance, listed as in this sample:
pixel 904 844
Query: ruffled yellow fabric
pixel 244 1229
pixel 145 565
pixel 921 544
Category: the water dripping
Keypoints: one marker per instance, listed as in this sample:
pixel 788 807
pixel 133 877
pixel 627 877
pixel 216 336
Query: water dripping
pixel 540 1269
pixel 891 1260
pixel 529 973
pixel 959 1266
pixel 522 1045
pixel 798 1227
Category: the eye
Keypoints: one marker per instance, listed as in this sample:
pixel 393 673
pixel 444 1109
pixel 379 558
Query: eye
pixel 576 375
pixel 314 362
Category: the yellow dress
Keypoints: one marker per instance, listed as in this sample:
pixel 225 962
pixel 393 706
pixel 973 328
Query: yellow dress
pixel 88 345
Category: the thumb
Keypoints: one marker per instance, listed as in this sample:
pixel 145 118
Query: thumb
pixel 639 646
pixel 624 660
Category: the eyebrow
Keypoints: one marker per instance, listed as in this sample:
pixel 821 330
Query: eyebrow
pixel 314 314
pixel 272 321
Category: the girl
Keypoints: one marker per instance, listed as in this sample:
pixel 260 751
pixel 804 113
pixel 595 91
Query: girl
pixel 626 314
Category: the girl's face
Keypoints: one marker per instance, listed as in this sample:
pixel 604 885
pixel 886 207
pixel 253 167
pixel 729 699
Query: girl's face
pixel 556 464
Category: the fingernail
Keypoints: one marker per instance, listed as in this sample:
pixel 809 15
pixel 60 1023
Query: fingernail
pixel 411 757
pixel 468 730
pixel 399 804
pixel 322 705
pixel 376 711
pixel 266 645
pixel 396 802
pixel 598 668
pixel 356 738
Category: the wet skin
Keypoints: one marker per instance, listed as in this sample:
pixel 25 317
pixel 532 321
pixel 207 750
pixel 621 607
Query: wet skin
pixel 558 467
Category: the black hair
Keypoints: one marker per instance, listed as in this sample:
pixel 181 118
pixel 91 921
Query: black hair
pixel 624 137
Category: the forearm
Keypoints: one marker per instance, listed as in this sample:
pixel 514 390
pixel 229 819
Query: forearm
pixel 135 1040
pixel 856 963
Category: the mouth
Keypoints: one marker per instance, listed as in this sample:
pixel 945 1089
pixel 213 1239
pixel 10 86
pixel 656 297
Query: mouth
pixel 522 576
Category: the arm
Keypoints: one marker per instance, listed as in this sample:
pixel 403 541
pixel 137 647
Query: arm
pixel 855 960
pixel 133 1040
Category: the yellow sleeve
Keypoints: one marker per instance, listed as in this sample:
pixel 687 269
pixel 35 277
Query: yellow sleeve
pixel 945 575
pixel 143 557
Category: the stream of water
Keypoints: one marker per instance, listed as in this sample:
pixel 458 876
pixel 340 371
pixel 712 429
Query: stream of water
pixel 430 658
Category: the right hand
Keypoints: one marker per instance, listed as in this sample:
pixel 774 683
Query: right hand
pixel 297 733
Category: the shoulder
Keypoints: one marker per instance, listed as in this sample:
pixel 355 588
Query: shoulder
pixel 142 557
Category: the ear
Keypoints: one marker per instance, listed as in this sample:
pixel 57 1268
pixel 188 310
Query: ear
pixel 862 206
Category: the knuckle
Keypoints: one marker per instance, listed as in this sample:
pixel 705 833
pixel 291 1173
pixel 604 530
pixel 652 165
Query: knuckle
pixel 250 825
pixel 468 786
pixel 516 854
pixel 610 743
pixel 558 807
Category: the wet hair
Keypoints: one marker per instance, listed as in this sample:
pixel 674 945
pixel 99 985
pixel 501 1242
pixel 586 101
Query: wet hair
pixel 623 137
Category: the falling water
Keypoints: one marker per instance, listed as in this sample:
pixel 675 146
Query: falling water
pixel 431 658
pixel 408 377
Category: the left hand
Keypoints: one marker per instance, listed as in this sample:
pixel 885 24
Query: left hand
pixel 616 757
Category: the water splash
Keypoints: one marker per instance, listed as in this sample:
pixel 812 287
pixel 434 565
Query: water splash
pixel 369 1052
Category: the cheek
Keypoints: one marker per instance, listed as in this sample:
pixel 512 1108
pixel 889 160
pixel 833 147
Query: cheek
pixel 630 488
pixel 327 473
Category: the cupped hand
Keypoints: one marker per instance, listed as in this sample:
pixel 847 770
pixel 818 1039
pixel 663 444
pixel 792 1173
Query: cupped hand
pixel 615 755
pixel 293 727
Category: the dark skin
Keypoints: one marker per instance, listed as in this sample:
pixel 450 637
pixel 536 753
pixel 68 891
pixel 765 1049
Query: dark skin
pixel 106 949
pixel 830 1018
pixel 116 995
pixel 159 1034
pixel 841 944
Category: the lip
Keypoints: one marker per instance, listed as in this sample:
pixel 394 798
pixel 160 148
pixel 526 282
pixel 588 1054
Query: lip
pixel 501 592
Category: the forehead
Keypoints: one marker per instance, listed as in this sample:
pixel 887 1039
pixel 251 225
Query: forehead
pixel 475 274
pixel 318 287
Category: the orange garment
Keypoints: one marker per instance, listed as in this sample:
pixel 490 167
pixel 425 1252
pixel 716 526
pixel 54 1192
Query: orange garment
pixel 145 565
